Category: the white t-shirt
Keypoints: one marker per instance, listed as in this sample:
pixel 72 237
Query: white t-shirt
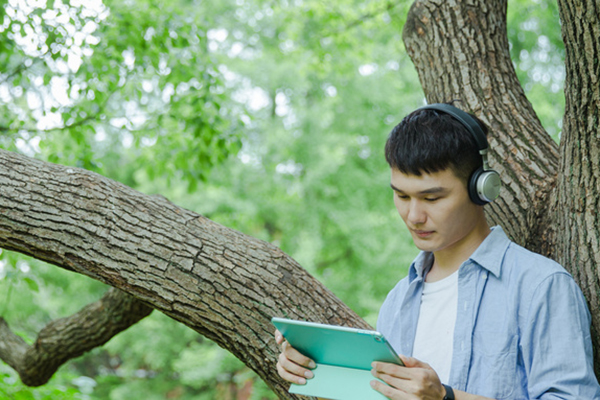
pixel 435 328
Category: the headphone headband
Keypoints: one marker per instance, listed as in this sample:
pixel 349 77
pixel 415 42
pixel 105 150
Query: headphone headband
pixel 484 183
pixel 465 119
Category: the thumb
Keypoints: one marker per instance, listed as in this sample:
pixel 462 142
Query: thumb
pixel 411 362
pixel 278 337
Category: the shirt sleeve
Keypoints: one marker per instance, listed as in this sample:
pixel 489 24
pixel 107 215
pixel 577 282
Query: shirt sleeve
pixel 556 342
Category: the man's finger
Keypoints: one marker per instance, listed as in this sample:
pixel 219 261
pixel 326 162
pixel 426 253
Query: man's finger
pixel 288 376
pixel 402 384
pixel 395 370
pixel 278 337
pixel 388 391
pixel 295 356
pixel 296 371
pixel 411 362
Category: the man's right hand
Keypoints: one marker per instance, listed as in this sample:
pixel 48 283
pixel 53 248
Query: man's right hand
pixel 293 366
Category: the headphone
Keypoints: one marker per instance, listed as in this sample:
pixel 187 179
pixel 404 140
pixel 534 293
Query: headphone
pixel 484 183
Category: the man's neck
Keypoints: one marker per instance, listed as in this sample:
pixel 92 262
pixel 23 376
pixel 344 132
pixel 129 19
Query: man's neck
pixel 447 261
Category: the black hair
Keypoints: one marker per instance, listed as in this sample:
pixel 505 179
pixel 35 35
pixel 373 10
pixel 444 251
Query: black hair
pixel 428 141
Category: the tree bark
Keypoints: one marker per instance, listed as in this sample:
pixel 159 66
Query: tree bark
pixel 579 177
pixel 550 197
pixel 67 338
pixel 219 282
pixel 226 285
pixel 460 50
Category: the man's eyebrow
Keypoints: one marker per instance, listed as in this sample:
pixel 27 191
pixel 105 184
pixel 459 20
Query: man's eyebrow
pixel 394 188
pixel 433 190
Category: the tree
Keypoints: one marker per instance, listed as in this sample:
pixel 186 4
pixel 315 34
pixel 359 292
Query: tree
pixel 219 282
pixel 548 204
pixel 206 276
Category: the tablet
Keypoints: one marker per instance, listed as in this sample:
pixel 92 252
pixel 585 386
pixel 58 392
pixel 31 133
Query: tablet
pixel 343 357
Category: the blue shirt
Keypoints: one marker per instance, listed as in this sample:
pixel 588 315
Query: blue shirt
pixel 522 325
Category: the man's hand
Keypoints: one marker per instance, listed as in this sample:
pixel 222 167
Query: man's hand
pixel 293 366
pixel 416 380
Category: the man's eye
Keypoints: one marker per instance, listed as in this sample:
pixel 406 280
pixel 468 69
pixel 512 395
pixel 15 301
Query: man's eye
pixel 402 196
pixel 431 199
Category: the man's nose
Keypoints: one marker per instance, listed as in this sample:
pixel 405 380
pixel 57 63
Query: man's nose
pixel 416 213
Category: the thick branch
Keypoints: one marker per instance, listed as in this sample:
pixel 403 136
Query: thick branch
pixel 12 347
pixel 460 50
pixel 67 338
pixel 219 282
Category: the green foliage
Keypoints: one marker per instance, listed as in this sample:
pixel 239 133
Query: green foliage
pixel 538 53
pixel 11 389
pixel 268 117
pixel 103 87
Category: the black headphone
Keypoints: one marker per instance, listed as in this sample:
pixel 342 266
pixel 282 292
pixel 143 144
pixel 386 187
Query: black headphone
pixel 484 183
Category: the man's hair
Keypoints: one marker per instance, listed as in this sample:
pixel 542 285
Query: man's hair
pixel 428 141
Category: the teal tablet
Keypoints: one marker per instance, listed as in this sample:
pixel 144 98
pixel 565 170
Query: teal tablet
pixel 343 357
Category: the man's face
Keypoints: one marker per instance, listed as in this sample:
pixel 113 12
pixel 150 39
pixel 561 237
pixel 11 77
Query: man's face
pixel 436 209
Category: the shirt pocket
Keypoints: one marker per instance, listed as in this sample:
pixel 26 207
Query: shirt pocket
pixel 494 367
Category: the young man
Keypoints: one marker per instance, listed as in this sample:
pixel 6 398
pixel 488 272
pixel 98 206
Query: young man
pixel 477 316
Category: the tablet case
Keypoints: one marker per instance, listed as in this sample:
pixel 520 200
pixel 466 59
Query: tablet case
pixel 343 357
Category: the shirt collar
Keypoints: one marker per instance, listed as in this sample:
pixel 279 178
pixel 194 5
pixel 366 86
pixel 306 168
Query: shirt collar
pixel 488 255
pixel 490 252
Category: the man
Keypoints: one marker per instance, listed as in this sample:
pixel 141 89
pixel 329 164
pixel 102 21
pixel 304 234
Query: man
pixel 478 316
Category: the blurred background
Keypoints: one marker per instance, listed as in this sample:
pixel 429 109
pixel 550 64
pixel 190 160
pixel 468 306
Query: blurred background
pixel 267 116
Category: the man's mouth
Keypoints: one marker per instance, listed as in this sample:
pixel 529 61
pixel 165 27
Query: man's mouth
pixel 422 233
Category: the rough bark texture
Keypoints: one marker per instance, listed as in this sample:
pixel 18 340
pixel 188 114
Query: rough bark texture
pixel 219 282
pixel 226 285
pixel 67 338
pixel 550 198
pixel 579 179
pixel 460 50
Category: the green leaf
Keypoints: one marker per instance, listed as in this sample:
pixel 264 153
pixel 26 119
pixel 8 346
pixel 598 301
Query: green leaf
pixel 32 284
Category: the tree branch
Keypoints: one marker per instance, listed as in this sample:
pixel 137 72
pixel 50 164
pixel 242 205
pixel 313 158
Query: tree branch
pixel 75 124
pixel 221 283
pixel 22 67
pixel 12 347
pixel 390 5
pixel 67 338
pixel 461 51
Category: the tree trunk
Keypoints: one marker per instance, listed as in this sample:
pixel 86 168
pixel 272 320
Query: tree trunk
pixel 577 246
pixel 461 52
pixel 549 201
pixel 219 282
pixel 226 285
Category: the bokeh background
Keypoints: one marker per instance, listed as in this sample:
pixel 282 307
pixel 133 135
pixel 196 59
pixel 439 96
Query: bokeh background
pixel 267 116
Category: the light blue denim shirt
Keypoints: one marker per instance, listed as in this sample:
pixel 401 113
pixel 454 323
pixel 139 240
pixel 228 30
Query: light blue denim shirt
pixel 522 325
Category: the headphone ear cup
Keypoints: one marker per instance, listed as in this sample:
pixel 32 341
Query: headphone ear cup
pixel 472 187
pixel 484 186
